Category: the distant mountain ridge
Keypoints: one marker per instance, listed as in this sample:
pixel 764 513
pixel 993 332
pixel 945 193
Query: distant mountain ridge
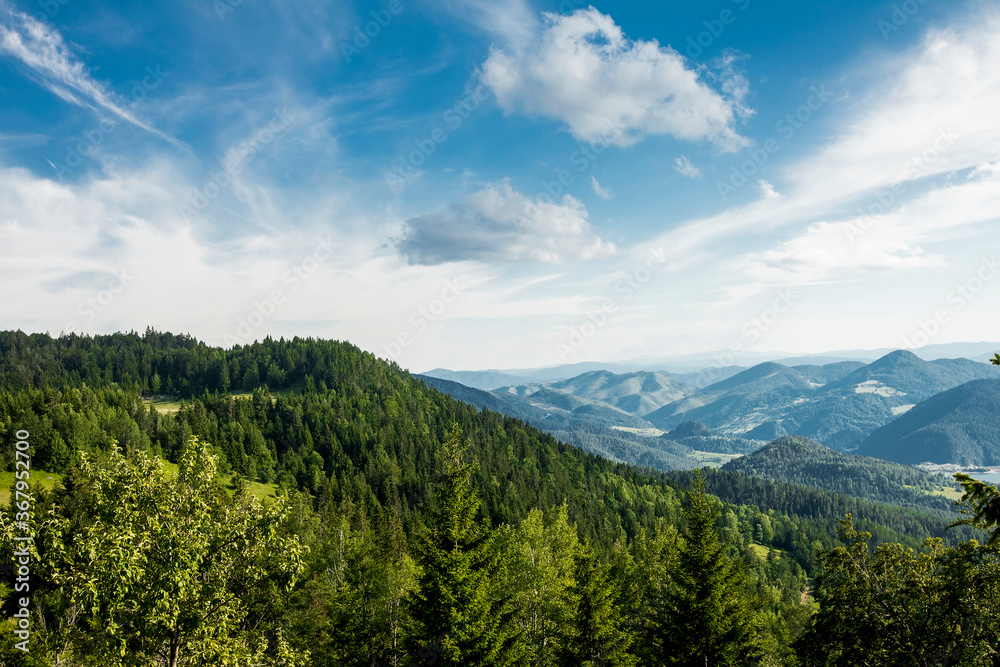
pixel 838 404
pixel 960 425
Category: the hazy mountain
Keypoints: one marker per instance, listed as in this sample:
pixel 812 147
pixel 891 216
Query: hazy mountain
pixel 635 393
pixel 695 368
pixel 838 404
pixel 478 397
pixel 842 413
pixel 803 461
pixel 576 421
pixel 961 425
pixel 739 403
pixel 566 408
pixel 827 373
pixel 474 379
pixel 555 409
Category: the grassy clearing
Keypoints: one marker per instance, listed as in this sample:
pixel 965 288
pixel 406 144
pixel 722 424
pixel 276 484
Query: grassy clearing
pixel 712 459
pixel 258 490
pixel 169 404
pixel 164 404
pixel 761 551
pixel 47 480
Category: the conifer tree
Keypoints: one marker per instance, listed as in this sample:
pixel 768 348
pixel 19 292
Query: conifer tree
pixel 462 614
pixel 598 637
pixel 707 615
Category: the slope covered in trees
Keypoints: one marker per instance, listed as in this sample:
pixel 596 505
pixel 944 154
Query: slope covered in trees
pixel 400 500
pixel 803 461
pixel 956 426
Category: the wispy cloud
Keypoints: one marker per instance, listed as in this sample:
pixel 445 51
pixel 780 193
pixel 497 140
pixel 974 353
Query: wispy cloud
pixel 683 166
pixel 599 190
pixel 52 63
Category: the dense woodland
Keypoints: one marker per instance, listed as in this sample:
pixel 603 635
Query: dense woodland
pixel 411 529
pixel 804 461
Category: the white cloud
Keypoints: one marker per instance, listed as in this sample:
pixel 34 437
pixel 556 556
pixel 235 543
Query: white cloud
pixel 683 166
pixel 584 71
pixel 512 20
pixel 43 51
pixel 767 190
pixel 600 191
pixel 930 110
pixel 498 223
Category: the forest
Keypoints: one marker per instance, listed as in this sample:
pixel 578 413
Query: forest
pixel 301 502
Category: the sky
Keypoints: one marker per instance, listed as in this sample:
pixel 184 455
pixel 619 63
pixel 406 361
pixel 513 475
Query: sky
pixel 504 183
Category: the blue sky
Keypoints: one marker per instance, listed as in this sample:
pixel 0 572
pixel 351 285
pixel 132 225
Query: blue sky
pixel 508 183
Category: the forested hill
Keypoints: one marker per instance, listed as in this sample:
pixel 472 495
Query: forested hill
pixel 356 428
pixel 804 461
pixel 371 464
pixel 956 426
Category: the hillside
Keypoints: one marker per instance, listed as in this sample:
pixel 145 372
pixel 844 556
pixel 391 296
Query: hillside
pixel 698 436
pixel 960 425
pixel 837 404
pixel 802 461
pixel 575 427
pixel 369 462
pixel 738 403
pixel 636 393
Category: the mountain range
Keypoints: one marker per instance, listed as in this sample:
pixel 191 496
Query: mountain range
pixel 840 404
pixel 691 368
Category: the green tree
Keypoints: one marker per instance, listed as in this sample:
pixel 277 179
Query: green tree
pixel 707 615
pixel 980 507
pixel 541 565
pixel 897 606
pixel 598 637
pixel 168 570
pixel 462 613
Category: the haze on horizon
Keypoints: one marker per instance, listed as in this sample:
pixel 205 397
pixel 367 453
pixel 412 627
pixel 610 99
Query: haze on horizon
pixel 504 184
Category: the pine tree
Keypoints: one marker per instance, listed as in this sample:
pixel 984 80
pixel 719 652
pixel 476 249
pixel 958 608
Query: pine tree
pixel 707 615
pixel 598 638
pixel 462 614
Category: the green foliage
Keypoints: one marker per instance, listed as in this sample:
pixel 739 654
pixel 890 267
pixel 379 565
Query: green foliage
pixel 706 614
pixel 461 605
pixel 802 461
pixel 980 507
pixel 164 571
pixel 896 606
pixel 415 554
pixel 597 635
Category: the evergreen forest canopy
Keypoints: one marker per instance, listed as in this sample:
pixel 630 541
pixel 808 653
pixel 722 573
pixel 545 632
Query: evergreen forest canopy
pixel 305 503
